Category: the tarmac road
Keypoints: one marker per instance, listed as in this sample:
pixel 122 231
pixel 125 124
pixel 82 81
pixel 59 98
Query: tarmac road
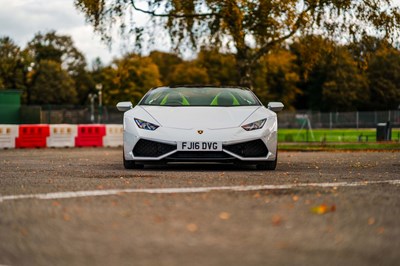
pixel 317 208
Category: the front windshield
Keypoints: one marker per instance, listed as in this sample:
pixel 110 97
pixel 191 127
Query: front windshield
pixel 200 96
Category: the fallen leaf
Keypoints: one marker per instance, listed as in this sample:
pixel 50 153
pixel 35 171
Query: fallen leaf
pixel 125 214
pixel 192 227
pixel 224 215
pixel 66 217
pixel 371 220
pixel 159 219
pixel 23 231
pixel 381 230
pixel 276 220
pixel 282 245
pixel 323 208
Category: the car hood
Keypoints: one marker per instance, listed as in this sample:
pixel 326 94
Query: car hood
pixel 204 117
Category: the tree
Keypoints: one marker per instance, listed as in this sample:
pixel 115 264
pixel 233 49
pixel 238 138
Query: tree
pixel 330 77
pixel 13 65
pixel 344 87
pixel 250 28
pixel 384 79
pixel 60 49
pixel 52 85
pixel 129 78
pixel 309 51
pixel 380 61
pixel 166 63
pixel 220 67
pixel 276 78
pixel 189 73
pixel 57 48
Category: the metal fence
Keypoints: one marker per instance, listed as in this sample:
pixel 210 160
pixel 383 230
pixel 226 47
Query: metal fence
pixel 338 119
pixel 56 114
pixel 64 114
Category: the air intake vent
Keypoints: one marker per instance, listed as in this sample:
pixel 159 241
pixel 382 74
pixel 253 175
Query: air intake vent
pixel 255 148
pixel 148 148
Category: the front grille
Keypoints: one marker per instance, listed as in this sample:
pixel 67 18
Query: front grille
pixel 200 155
pixel 254 148
pixel 148 148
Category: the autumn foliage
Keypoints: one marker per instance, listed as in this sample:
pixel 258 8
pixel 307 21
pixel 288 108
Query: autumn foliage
pixel 311 73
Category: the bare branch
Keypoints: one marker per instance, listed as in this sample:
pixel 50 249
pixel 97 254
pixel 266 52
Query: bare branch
pixel 153 13
pixel 264 49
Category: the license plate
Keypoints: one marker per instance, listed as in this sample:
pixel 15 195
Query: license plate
pixel 200 146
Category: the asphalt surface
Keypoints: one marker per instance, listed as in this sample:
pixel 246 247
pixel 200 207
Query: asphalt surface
pixel 317 208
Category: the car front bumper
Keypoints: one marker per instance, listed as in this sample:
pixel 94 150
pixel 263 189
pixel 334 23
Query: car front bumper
pixel 237 144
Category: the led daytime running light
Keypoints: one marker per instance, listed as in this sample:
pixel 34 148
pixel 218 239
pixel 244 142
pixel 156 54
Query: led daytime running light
pixel 255 125
pixel 145 125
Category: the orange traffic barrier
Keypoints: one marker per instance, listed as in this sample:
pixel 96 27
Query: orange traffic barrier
pixel 32 136
pixel 90 136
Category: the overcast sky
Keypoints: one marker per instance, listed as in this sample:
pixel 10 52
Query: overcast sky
pixel 21 19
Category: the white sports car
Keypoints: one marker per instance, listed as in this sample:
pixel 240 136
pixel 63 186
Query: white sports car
pixel 200 124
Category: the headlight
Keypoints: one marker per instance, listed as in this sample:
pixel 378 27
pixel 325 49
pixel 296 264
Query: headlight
pixel 145 125
pixel 255 125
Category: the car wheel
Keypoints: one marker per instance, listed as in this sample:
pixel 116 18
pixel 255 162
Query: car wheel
pixel 268 165
pixel 129 164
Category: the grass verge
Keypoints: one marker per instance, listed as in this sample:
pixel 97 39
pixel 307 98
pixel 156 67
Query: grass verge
pixel 319 146
pixel 332 135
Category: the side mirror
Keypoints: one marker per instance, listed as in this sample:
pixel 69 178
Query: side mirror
pixel 275 106
pixel 124 106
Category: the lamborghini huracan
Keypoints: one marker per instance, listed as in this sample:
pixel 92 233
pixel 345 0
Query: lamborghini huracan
pixel 200 124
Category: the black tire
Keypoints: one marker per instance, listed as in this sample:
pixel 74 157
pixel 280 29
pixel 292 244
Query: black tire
pixel 268 165
pixel 130 164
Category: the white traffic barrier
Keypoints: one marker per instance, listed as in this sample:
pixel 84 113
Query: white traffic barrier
pixel 114 136
pixel 8 133
pixel 62 135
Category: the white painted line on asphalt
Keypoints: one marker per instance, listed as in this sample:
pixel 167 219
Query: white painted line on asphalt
pixel 108 192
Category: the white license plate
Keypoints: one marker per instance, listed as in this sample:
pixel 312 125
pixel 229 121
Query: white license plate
pixel 199 146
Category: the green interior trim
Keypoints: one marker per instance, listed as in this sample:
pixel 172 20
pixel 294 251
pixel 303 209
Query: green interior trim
pixel 214 101
pixel 184 100
pixel 234 100
pixel 164 100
